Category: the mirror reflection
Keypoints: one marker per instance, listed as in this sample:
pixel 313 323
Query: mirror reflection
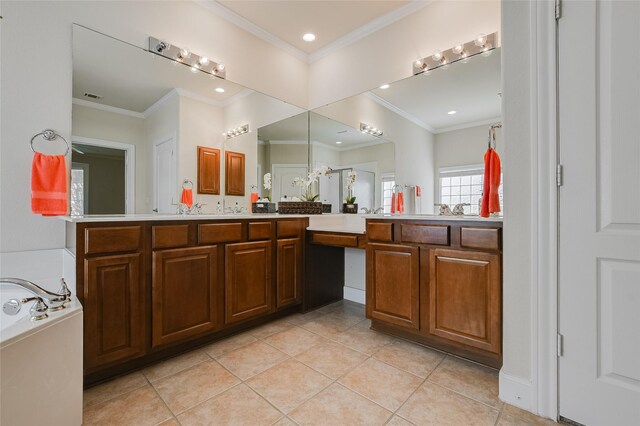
pixel 439 124
pixel 138 119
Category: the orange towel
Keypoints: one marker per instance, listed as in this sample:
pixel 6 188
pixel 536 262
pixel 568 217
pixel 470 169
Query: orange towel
pixel 490 196
pixel 49 185
pixel 393 202
pixel 254 197
pixel 400 208
pixel 187 197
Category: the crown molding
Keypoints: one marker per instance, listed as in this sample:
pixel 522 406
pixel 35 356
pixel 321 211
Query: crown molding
pixel 108 108
pixel 468 125
pixel 349 38
pixel 368 29
pixel 241 94
pixel 252 28
pixel 391 107
pixel 277 142
pixel 348 148
pixel 170 94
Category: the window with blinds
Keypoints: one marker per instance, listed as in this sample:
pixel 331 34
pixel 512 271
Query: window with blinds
pixel 464 185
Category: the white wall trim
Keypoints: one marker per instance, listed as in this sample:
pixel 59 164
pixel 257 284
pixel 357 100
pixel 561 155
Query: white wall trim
pixel 516 391
pixel 252 28
pixel 355 295
pixel 468 125
pixel 458 169
pixel 129 164
pixel 368 29
pixel 544 279
pixel 391 107
pixel 108 108
pixel 170 94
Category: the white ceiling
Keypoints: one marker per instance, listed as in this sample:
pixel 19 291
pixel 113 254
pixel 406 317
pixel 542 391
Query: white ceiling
pixel 328 20
pixel 472 89
pixel 323 130
pixel 121 73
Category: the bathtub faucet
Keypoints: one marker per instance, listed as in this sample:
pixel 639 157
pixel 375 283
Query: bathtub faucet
pixel 55 301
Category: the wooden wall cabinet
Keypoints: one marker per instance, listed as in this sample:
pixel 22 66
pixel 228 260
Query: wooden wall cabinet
pixel 464 297
pixel 393 283
pixel 208 170
pixel 114 309
pixel 289 274
pixel 183 293
pixel 234 173
pixel 248 291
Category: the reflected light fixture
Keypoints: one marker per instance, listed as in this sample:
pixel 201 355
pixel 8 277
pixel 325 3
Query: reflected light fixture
pixel 370 130
pixel 460 52
pixel 452 112
pixel 236 132
pixel 219 90
pixel 182 55
pixel 309 37
pixel 338 142
pixel 384 86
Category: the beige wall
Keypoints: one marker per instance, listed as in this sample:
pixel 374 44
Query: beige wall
pixel 463 147
pixel 106 192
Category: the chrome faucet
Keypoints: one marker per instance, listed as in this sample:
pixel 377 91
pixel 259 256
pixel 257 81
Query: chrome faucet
pixel 38 310
pixel 372 211
pixel 56 301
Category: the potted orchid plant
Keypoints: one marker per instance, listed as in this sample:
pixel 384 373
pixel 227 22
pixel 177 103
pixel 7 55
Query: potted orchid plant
pixel 308 194
pixel 264 205
pixel 350 205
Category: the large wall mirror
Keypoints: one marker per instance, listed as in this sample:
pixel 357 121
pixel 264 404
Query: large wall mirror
pixel 138 119
pixel 438 123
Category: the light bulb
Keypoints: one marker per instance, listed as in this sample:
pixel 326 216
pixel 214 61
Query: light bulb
pixel 194 69
pixel 220 67
pixel 203 61
pixel 338 142
pixel 458 49
pixel 219 90
pixel 384 86
pixel 481 40
pixel 184 53
pixel 418 63
pixel 437 55
pixel 309 37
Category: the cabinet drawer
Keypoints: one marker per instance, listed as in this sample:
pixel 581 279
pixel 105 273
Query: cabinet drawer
pixel 112 239
pixel 380 232
pixel 480 238
pixel 259 231
pixel 425 234
pixel 212 233
pixel 289 229
pixel 340 240
pixel 169 236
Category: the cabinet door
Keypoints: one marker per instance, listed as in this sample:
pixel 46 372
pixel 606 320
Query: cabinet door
pixel 248 271
pixel 114 309
pixel 289 272
pixel 208 170
pixel 183 293
pixel 234 173
pixel 393 283
pixel 465 297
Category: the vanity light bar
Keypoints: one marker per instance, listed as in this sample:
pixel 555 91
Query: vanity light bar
pixel 481 44
pixel 184 56
pixel 236 132
pixel 365 128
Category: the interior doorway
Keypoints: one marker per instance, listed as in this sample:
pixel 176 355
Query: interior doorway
pixel 102 177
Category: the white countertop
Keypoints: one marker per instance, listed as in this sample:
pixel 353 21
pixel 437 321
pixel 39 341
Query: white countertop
pixel 156 216
pixel 434 217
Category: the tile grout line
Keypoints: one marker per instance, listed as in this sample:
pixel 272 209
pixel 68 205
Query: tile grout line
pixel 173 415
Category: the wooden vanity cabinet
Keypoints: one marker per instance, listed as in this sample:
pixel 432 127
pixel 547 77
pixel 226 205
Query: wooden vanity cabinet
pixel 393 283
pixel 183 293
pixel 289 272
pixel 438 283
pixel 248 291
pixel 234 173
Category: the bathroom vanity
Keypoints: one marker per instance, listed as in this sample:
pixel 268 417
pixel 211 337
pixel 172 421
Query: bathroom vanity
pixel 154 286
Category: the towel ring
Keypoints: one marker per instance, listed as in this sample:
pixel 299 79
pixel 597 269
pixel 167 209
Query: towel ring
pixel 185 183
pixel 49 135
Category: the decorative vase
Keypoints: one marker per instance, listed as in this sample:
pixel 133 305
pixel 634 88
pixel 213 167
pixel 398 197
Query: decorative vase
pixel 350 208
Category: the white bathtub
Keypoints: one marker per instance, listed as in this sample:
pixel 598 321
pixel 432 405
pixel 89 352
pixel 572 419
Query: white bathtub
pixel 40 362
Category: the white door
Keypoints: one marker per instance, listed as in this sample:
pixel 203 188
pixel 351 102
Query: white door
pixel 164 176
pixel 282 180
pixel 599 278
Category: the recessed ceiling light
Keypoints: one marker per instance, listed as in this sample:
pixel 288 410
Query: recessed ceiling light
pixel 452 112
pixel 219 90
pixel 384 86
pixel 338 142
pixel 309 37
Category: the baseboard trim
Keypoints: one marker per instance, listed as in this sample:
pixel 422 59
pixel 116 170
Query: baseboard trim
pixel 355 295
pixel 516 391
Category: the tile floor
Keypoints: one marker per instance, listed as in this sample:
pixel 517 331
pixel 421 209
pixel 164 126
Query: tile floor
pixel 323 368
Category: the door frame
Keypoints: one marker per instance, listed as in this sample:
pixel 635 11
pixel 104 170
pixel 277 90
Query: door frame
pixel 129 166
pixel 173 137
